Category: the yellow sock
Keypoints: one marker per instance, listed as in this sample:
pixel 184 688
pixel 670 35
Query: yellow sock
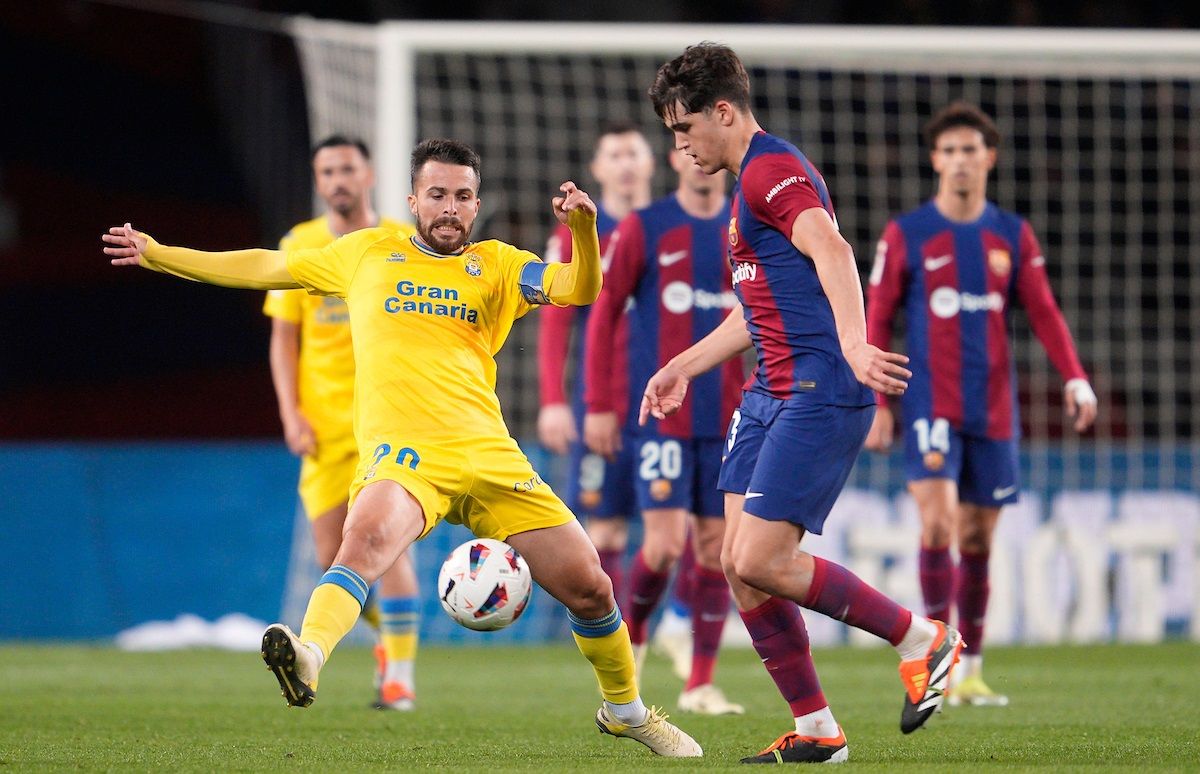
pixel 370 614
pixel 400 647
pixel 333 608
pixel 399 621
pixel 611 655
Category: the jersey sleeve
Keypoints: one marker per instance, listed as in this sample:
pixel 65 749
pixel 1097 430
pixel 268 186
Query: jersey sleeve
pixel 327 271
pixel 554 328
pixel 777 188
pixel 524 282
pixel 885 288
pixel 286 305
pixel 1033 289
pixel 627 263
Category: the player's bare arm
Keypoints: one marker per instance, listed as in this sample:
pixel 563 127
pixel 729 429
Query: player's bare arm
pixel 815 235
pixel 258 269
pixel 666 390
pixel 556 427
pixel 577 283
pixel 879 437
pixel 602 433
pixel 285 365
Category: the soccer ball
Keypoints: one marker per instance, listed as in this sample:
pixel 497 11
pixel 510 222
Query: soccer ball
pixel 484 584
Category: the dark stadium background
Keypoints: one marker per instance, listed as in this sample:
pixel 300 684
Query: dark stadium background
pixel 199 131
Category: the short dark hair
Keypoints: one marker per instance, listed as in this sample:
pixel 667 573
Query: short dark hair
pixel 338 141
pixel 619 126
pixel 446 151
pixel 698 78
pixel 958 114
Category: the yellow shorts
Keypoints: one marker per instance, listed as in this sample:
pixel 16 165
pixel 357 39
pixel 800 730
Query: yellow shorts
pixel 325 476
pixel 485 484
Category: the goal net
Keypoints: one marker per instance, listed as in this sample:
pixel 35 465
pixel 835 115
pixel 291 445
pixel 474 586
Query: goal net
pixel 1100 151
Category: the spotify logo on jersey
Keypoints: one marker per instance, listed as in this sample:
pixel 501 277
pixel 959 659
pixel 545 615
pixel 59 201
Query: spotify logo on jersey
pixel 944 302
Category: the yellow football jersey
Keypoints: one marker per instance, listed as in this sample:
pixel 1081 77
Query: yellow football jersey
pixel 425 329
pixel 326 369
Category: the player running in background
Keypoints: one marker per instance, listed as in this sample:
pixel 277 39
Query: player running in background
pixel 955 264
pixel 805 412
pixel 428 314
pixel 668 259
pixel 598 491
pixel 312 365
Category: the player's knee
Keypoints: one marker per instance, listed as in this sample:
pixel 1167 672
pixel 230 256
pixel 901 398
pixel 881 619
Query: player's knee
pixel 936 532
pixel 660 555
pixel 974 541
pixel 592 596
pixel 754 569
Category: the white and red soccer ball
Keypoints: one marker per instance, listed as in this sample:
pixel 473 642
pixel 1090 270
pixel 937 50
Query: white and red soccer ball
pixel 484 584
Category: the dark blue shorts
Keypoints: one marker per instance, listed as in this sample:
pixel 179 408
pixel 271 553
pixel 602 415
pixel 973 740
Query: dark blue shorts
pixel 678 473
pixel 791 459
pixel 987 470
pixel 597 488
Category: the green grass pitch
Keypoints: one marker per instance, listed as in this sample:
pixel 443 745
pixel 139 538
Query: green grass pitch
pixel 507 709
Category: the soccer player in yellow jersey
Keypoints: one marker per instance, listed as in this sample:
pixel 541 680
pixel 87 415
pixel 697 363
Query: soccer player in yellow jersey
pixel 428 314
pixel 313 368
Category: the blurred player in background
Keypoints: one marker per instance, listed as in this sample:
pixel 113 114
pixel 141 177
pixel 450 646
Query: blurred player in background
pixel 312 364
pixel 804 414
pixel 667 264
pixel 598 491
pixel 428 314
pixel 955 264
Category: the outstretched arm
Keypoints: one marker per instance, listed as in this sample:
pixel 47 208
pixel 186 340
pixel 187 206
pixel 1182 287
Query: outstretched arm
pixel 666 390
pixel 257 268
pixel 577 283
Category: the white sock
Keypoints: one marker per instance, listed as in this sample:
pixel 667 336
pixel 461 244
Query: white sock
pixel 632 713
pixel 399 672
pixel 819 724
pixel 317 652
pixel 971 666
pixel 673 624
pixel 917 639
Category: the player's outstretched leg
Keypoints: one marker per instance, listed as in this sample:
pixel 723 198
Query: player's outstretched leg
pixel 384 520
pixel 765 558
pixel 564 563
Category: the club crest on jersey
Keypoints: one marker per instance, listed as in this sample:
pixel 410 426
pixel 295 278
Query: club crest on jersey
pixel 934 461
pixel 473 265
pixel 999 261
pixel 733 232
pixel 660 489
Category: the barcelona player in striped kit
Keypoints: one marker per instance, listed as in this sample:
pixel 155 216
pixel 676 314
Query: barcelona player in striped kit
pixel 804 414
pixel 598 491
pixel 668 266
pixel 956 264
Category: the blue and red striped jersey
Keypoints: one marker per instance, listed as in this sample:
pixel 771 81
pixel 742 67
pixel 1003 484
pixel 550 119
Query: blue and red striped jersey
pixel 956 282
pixel 787 312
pixel 669 268
pixel 559 325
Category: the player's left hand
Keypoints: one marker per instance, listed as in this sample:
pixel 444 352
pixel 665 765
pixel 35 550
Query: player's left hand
pixel 130 245
pixel 664 394
pixel 573 198
pixel 881 371
pixel 1081 404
